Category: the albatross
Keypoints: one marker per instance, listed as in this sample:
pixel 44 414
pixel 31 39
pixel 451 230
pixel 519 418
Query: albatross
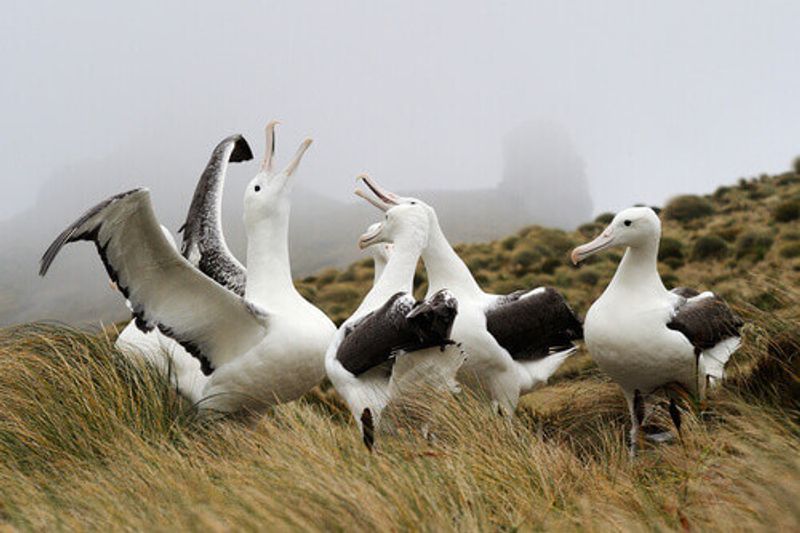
pixel 259 349
pixel 205 247
pixel 392 342
pixel 645 336
pixel 516 341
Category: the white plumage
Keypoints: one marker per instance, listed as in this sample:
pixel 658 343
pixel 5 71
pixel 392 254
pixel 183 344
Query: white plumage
pixel 643 335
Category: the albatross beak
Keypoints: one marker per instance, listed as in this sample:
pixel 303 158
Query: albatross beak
pixel 372 236
pixel 385 200
pixel 605 240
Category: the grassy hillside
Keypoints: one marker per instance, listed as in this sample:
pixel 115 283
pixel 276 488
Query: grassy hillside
pixel 88 440
pixel 733 240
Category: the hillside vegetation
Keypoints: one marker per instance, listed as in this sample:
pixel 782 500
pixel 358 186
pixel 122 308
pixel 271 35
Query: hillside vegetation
pixel 88 440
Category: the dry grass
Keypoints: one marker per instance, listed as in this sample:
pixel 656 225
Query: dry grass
pixel 89 441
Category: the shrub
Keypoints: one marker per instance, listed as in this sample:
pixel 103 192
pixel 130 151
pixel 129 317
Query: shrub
pixel 729 234
pixel 524 258
pixel 791 250
pixel 721 192
pixel 590 229
pixel 509 242
pixel 787 211
pixel 687 207
pixel 753 244
pixel 604 218
pixel 796 165
pixel 709 247
pixel 550 265
pixel 670 248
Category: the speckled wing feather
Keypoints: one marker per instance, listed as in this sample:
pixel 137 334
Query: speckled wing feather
pixel 203 239
pixel 165 291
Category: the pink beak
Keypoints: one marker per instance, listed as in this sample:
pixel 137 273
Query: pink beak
pixel 605 240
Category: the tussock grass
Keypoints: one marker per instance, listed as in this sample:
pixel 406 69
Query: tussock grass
pixel 89 440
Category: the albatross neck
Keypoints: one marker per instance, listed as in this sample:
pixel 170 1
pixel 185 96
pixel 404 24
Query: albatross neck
pixel 638 272
pixel 445 268
pixel 397 276
pixel 269 274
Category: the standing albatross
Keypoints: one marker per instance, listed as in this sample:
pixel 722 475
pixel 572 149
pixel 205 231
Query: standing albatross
pixel 643 335
pixel 264 348
pixel 393 343
pixel 516 341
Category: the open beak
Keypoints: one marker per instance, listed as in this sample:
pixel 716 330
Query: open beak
pixel 605 240
pixel 384 200
pixel 372 236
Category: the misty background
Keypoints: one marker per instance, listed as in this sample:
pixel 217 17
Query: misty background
pixel 500 114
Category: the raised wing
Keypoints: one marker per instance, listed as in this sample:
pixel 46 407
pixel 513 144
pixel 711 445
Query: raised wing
pixel 210 322
pixel 203 239
pixel 705 319
pixel 532 325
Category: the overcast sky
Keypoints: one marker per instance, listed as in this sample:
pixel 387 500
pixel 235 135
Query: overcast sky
pixel 659 98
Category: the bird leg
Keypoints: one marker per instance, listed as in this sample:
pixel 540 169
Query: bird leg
pixel 367 429
pixel 675 414
pixel 636 406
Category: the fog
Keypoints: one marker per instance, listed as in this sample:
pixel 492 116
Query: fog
pixel 643 101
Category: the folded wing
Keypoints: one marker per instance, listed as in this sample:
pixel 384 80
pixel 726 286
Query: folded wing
pixel 165 290
pixel 705 319
pixel 203 239
pixel 533 325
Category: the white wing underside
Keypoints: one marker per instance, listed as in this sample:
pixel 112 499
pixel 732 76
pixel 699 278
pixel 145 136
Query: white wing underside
pixel 164 289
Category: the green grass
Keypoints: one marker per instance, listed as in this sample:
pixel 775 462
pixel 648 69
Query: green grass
pixel 91 441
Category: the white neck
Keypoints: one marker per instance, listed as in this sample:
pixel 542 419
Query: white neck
pixel 397 276
pixel 445 269
pixel 269 274
pixel 638 272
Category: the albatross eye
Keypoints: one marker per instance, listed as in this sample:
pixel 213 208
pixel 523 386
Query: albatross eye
pixel 628 222
pixel 258 188
pixel 413 203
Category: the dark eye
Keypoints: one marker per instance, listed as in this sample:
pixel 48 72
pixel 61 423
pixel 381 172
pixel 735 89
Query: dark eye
pixel 413 203
pixel 628 222
pixel 258 188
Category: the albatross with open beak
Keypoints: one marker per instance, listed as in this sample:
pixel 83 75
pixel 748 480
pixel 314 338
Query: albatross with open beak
pixel 393 343
pixel 259 349
pixel 516 341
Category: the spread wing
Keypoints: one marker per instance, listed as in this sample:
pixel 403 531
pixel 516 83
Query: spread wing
pixel 705 319
pixel 533 325
pixel 212 323
pixel 203 240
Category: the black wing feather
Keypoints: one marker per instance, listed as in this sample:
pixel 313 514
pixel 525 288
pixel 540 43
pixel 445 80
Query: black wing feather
pixel 399 325
pixel 705 321
pixel 533 326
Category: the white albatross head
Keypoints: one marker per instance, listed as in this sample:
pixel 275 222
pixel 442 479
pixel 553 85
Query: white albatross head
pixel 268 192
pixel 406 220
pixel 632 228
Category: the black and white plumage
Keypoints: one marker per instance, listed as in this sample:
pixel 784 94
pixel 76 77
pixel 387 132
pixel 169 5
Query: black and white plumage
pixel 515 342
pixel 130 242
pixel 393 344
pixel 204 246
pixel 258 350
pixel 532 325
pixel 643 335
pixel 402 324
pixel 203 238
